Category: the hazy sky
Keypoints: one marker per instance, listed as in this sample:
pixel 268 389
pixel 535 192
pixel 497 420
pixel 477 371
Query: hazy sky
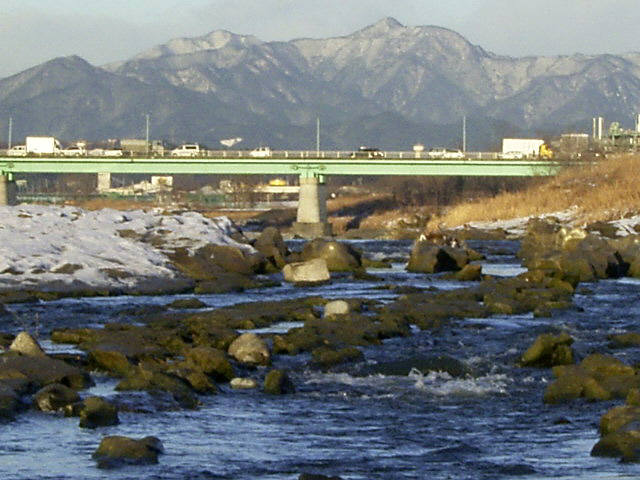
pixel 102 31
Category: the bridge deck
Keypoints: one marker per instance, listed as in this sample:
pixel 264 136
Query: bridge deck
pixel 307 167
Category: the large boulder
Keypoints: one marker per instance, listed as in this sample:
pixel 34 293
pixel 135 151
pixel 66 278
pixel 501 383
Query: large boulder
pixel 598 377
pixel 353 329
pixel 197 380
pixel 624 340
pixel 210 361
pixel 469 273
pixel 623 444
pixel 113 362
pixel 312 272
pixel 572 253
pixel 277 382
pixel 115 451
pixel 27 345
pixel 326 356
pixel 9 402
pixel 272 246
pixel 336 307
pixel 250 349
pixel 620 433
pixel 41 371
pixel 339 257
pixel 55 397
pixel 427 257
pixel 151 380
pixel 208 262
pixel 548 351
pixel 236 260
pixel 98 412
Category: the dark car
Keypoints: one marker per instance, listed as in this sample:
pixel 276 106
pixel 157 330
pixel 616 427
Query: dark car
pixel 367 152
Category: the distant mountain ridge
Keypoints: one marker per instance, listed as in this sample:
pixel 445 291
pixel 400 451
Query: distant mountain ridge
pixel 388 84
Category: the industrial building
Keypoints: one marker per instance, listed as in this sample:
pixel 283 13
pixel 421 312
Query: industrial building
pixel 616 138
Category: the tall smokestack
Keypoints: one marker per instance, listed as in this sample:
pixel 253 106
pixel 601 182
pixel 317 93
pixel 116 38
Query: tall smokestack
pixel 600 127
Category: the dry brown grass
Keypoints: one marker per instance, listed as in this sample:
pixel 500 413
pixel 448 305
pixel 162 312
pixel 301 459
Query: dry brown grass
pixel 604 191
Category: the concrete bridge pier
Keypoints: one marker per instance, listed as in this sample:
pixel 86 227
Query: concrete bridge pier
pixel 7 191
pixel 312 209
pixel 104 182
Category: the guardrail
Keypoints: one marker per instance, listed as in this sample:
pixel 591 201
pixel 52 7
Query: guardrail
pixel 303 154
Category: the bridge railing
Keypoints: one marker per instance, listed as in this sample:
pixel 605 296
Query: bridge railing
pixel 312 154
pixel 351 154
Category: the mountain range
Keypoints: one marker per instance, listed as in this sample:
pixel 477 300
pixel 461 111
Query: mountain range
pixel 387 85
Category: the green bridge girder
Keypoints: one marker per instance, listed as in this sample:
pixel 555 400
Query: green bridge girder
pixel 307 167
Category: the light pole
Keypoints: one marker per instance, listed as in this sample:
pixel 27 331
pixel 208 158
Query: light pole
pixel 318 136
pixel 10 132
pixel 147 137
pixel 464 134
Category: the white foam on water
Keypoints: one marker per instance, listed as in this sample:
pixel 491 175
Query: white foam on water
pixel 281 327
pixel 434 383
pixel 502 269
pixel 318 378
pixel 52 348
pixel 443 384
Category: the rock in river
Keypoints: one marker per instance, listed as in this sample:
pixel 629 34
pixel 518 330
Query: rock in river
pixel 97 412
pixel 277 382
pixel 312 272
pixel 250 349
pixel 24 343
pixel 55 397
pixel 115 451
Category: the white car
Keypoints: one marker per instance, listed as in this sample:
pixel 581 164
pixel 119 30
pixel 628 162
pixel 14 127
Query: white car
pixel 17 151
pixel 453 154
pixel 447 153
pixel 260 152
pixel 511 155
pixel 74 151
pixel 112 152
pixel 105 152
pixel 187 150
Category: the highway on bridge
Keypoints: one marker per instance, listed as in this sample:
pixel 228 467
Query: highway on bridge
pixel 304 167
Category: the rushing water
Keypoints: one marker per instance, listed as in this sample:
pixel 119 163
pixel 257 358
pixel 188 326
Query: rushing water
pixel 492 425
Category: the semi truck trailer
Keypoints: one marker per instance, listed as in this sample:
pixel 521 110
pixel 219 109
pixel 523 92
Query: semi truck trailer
pixel 43 146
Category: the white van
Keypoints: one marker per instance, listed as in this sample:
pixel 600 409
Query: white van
pixel 17 151
pixel 187 150
pixel 260 152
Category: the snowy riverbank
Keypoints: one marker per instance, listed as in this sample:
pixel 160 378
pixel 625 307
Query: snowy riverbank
pixel 68 247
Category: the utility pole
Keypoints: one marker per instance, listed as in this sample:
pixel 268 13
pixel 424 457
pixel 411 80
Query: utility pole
pixel 464 134
pixel 318 136
pixel 10 132
pixel 147 137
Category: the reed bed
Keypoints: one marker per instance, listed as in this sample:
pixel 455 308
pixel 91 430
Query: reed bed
pixel 606 190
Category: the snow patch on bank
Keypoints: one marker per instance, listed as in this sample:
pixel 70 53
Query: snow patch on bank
pixel 627 226
pixel 518 226
pixel 41 244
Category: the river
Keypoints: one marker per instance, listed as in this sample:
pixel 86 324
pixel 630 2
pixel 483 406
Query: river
pixel 492 425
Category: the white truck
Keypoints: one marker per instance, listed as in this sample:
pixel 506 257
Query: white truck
pixel 43 146
pixel 520 147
